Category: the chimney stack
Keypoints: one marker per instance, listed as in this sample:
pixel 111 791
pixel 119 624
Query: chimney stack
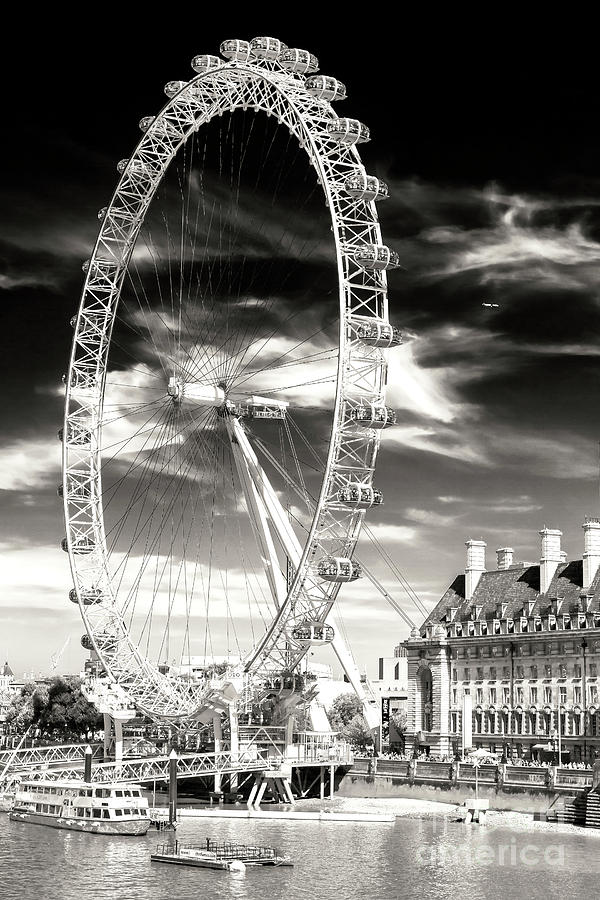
pixel 551 556
pixel 505 557
pixel 591 549
pixel 475 566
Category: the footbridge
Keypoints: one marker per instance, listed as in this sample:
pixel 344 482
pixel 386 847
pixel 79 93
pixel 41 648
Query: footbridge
pixel 26 759
pixel 189 765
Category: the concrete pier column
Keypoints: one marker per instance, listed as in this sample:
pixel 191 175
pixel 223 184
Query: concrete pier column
pixel 87 765
pixel 118 725
pixel 172 787
pixel 235 745
pixel 322 784
pixel 331 781
pixel 218 732
pixel 107 735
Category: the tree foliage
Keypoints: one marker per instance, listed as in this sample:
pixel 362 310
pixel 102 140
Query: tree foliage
pixel 343 709
pixel 357 733
pixel 56 708
pixel 345 716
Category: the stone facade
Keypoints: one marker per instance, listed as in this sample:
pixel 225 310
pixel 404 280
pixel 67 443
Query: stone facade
pixel 524 643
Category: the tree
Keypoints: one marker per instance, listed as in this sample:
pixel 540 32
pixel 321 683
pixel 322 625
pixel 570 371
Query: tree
pixel 343 709
pixel 62 711
pixel 20 714
pixel 57 708
pixel 357 733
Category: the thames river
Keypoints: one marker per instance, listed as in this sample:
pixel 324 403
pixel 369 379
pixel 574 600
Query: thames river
pixel 433 857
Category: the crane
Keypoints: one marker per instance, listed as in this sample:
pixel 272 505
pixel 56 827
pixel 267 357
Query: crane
pixel 56 657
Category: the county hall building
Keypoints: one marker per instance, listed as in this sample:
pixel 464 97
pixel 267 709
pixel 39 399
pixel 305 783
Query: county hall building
pixel 517 647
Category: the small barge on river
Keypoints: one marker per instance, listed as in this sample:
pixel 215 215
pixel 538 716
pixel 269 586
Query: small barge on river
pixel 215 855
pixel 115 808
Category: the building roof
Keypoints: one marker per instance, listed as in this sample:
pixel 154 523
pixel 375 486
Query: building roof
pixel 6 671
pixel 517 587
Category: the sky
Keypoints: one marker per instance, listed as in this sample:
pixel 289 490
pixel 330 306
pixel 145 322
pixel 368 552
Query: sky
pixel 491 158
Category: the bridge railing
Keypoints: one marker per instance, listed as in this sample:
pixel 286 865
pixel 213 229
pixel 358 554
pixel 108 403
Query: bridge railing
pixel 31 757
pixel 157 768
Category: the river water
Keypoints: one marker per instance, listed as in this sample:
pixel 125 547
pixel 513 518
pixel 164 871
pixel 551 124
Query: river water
pixel 432 858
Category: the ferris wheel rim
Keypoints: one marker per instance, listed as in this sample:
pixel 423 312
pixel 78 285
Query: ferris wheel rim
pixel 268 73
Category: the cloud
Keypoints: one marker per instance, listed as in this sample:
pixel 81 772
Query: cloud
pixel 29 464
pixel 32 279
pixel 390 534
pixel 429 517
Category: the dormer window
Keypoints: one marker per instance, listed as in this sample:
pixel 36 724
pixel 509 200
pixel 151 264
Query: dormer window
pixel 537 623
pixel 497 629
pixel 556 604
pixel 484 628
pixel 552 623
pixel 567 623
pixel 524 624
pixel 471 629
pixel 458 627
pixel 453 611
pixel 510 626
pixel 530 605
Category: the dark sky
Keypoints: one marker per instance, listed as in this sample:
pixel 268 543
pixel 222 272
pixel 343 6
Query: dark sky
pixel 491 151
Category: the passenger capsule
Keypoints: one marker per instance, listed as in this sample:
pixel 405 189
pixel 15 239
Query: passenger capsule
pixel 325 87
pixel 348 131
pixel 338 569
pixel 359 496
pixel 83 381
pixel 376 256
pixel 135 166
pixel 205 62
pixel 82 546
pixel 102 213
pixel 378 333
pixel 313 633
pixel 173 87
pixel 86 642
pixel 82 437
pixel 78 487
pixel 366 187
pixel 238 50
pixel 373 415
pixel 100 266
pixel 60 491
pixel 267 47
pixel 146 122
pixel 300 61
pixel 89 597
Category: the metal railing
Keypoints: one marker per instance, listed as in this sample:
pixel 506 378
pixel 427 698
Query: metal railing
pixel 157 768
pixel 33 757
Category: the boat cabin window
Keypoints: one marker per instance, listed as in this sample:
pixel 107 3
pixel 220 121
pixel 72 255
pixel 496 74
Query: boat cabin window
pixel 118 793
pixel 80 811
pixel 118 812
pixel 97 813
pixel 105 814
pixel 127 812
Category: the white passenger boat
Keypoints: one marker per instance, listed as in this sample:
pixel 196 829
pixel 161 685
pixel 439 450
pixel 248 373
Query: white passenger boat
pixel 114 808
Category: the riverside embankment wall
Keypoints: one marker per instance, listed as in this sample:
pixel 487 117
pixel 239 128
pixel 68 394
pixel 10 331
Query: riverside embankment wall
pixel 525 789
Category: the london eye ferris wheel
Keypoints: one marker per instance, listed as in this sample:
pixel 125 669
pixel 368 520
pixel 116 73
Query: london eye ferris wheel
pixel 226 388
